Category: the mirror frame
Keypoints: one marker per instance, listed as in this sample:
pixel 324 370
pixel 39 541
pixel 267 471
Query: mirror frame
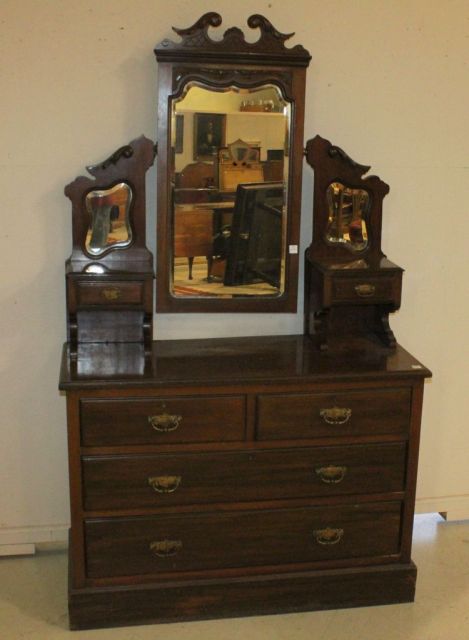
pixel 332 164
pixel 128 164
pixel 231 61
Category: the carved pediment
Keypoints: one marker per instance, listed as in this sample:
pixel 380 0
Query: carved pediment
pixel 196 41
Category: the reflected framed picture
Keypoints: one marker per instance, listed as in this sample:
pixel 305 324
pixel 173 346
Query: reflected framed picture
pixel 209 135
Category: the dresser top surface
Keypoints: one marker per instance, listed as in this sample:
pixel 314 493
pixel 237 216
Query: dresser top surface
pixel 225 361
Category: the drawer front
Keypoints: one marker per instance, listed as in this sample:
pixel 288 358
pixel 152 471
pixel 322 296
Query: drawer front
pixel 311 415
pixel 137 546
pixel 162 420
pixel 109 293
pixel 125 482
pixel 365 290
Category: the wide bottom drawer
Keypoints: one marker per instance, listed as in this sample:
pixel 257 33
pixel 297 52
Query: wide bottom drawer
pixel 172 543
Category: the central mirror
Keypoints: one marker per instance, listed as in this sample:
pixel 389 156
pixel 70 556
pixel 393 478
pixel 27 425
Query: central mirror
pixel 230 154
pixel 229 184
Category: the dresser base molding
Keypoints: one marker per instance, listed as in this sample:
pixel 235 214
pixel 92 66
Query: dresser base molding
pixel 254 595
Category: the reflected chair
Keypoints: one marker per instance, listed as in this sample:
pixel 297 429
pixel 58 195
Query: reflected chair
pixel 193 226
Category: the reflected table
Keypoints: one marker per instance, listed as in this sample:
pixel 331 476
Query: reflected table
pixel 195 226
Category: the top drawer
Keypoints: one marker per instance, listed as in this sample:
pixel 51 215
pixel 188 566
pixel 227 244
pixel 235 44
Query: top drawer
pixel 109 293
pixel 363 290
pixel 313 415
pixel 132 421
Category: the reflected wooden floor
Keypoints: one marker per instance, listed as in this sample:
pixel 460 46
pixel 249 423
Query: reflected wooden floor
pixel 199 286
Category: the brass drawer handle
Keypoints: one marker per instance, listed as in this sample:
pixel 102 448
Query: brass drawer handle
pixel 336 415
pixel 164 422
pixel 112 293
pixel 331 474
pixel 365 290
pixel 328 536
pixel 165 548
pixel 164 484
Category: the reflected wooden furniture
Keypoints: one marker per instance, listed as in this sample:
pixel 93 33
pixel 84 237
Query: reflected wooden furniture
pixel 243 476
pixel 193 228
pixel 232 176
pixel 193 234
pixel 238 163
pixel 194 182
pixel 273 170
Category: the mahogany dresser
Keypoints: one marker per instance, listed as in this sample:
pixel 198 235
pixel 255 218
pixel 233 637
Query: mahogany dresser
pixel 257 475
pixel 229 477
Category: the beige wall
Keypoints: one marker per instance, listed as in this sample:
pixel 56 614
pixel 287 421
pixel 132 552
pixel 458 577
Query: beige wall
pixel 388 82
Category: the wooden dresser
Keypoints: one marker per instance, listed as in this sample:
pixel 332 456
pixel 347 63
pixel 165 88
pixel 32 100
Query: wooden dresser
pixel 229 477
pixel 256 475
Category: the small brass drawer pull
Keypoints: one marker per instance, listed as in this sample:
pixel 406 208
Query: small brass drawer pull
pixel 336 415
pixel 165 548
pixel 328 535
pixel 112 293
pixel 331 474
pixel 365 290
pixel 165 422
pixel 164 484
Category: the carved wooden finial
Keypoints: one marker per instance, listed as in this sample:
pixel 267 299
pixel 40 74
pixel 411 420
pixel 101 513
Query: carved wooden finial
pixel 191 35
pixel 268 31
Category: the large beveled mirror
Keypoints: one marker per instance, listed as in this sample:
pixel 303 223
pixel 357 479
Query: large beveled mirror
pixel 225 242
pixel 229 169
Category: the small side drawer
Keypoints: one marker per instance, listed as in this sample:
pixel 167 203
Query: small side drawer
pixel 152 481
pixel 365 290
pixel 312 415
pixel 172 543
pixel 162 420
pixel 109 293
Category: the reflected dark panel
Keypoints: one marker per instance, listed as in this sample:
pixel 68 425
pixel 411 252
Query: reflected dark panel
pixel 256 235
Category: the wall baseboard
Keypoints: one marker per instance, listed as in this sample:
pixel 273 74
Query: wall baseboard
pixel 453 507
pixel 23 540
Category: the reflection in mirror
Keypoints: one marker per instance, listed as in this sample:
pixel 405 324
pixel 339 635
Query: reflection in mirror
pixel 347 209
pixel 256 235
pixel 238 152
pixel 109 219
pixel 229 188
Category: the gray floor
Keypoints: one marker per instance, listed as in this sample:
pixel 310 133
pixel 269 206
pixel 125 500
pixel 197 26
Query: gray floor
pixel 33 602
